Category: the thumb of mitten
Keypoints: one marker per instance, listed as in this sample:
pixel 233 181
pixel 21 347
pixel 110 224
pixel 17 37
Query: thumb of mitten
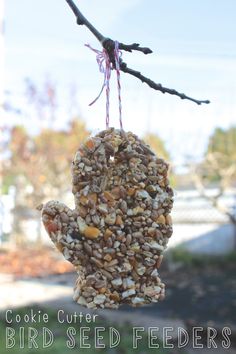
pixel 60 222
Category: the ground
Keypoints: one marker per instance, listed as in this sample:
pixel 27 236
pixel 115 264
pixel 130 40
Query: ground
pixel 32 262
pixel 206 284
pixel 199 293
pixel 200 290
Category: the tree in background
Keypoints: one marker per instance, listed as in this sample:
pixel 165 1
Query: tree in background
pixel 223 142
pixel 157 145
pixel 218 169
pixel 39 166
pixel 221 152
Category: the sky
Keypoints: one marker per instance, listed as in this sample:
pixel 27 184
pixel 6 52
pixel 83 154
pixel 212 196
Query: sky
pixel 194 51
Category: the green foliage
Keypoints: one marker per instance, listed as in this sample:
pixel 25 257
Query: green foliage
pixel 8 181
pixel 219 165
pixel 181 255
pixel 222 147
pixel 223 141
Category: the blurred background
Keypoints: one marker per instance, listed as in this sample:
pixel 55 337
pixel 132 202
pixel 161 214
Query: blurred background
pixel 47 80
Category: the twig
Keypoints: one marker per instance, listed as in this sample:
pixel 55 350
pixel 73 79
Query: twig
pixel 81 20
pixel 134 46
pixel 109 45
pixel 158 87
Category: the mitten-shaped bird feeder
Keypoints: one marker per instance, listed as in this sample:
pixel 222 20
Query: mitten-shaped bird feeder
pixel 121 223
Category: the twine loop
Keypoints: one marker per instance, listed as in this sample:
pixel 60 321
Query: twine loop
pixel 105 67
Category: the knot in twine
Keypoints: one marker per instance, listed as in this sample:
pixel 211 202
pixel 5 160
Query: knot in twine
pixel 105 67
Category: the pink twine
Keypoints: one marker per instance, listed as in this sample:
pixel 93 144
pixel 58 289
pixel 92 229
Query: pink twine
pixel 117 54
pixel 105 67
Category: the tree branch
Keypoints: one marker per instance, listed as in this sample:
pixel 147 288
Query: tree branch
pixel 81 20
pixel 134 46
pixel 109 45
pixel 158 87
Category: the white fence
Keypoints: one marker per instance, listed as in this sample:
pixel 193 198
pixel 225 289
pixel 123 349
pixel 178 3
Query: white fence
pixel 197 225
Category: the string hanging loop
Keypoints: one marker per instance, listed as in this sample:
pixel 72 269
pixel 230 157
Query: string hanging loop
pixel 105 66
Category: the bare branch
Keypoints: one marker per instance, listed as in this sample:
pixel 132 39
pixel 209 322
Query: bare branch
pixel 134 46
pixel 81 20
pixel 158 87
pixel 109 45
